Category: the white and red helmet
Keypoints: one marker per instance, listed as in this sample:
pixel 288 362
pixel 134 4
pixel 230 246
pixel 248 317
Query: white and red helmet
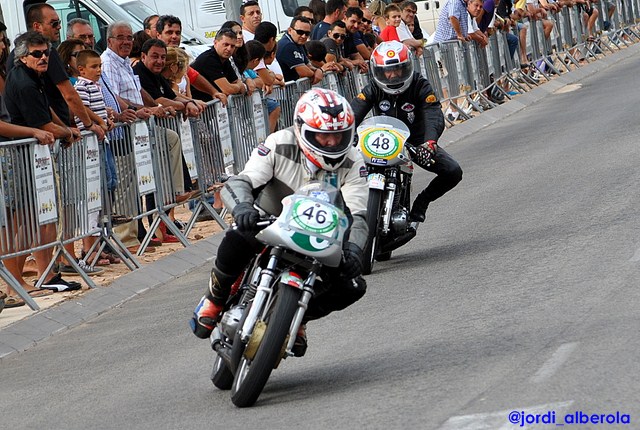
pixel 391 66
pixel 324 112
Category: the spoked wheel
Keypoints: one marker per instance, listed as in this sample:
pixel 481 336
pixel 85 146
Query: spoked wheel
pixel 221 375
pixel 373 219
pixel 252 375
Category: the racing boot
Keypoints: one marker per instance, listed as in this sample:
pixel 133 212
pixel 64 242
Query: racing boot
pixel 418 210
pixel 211 304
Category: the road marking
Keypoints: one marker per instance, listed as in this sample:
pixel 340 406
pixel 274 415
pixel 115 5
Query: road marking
pixel 552 365
pixel 499 420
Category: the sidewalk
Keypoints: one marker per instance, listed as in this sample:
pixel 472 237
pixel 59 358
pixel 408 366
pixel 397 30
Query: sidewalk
pixel 21 328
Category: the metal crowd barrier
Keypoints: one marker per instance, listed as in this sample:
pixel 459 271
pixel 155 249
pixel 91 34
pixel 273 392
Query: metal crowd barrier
pixel 287 96
pixel 47 197
pixel 219 142
pixel 250 127
pixel 214 158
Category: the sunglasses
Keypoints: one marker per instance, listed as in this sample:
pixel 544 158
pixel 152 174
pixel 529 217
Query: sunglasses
pixel 301 32
pixel 74 54
pixel 339 36
pixel 39 54
pixel 55 23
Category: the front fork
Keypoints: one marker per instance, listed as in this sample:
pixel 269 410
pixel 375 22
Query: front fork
pixel 265 291
pixel 389 197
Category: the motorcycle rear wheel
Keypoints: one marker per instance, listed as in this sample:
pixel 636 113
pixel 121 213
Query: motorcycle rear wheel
pixel 221 375
pixel 252 375
pixel 373 220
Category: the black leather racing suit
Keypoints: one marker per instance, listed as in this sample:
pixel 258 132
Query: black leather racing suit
pixel 420 110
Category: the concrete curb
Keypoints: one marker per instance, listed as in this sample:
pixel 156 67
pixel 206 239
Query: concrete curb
pixel 30 331
pixel 36 328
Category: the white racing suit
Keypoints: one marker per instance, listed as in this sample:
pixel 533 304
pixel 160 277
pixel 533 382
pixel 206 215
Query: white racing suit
pixel 275 170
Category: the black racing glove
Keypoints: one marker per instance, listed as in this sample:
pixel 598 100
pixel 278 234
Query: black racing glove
pixel 424 155
pixel 351 265
pixel 245 216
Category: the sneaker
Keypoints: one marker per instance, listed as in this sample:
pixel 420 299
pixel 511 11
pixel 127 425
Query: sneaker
pixel 204 318
pixel 300 346
pixel 181 226
pixel 58 284
pixel 69 270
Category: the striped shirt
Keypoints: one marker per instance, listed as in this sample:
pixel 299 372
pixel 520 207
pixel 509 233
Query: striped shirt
pixel 444 29
pixel 91 97
pixel 123 82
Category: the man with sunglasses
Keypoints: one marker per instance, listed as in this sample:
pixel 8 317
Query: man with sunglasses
pixel 334 42
pixel 293 57
pixel 29 106
pixel 61 95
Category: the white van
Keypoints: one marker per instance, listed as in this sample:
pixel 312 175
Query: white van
pixel 100 13
pixel 428 12
pixel 204 17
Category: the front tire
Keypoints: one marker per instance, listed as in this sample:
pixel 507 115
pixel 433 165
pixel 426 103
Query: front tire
pixel 373 219
pixel 252 375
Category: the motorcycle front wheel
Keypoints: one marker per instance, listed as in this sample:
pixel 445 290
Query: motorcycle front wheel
pixel 252 375
pixel 373 220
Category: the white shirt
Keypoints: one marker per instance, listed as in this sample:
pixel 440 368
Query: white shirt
pixel 403 32
pixel 120 76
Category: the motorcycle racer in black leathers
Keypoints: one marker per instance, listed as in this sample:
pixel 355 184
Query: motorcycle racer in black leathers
pixel 397 91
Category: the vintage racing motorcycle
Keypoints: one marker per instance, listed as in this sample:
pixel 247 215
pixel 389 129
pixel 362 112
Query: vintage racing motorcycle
pixel 381 141
pixel 268 301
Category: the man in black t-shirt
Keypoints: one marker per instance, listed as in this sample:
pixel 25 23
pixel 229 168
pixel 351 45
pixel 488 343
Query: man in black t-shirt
pixel 215 66
pixel 29 106
pixel 43 19
pixel 148 69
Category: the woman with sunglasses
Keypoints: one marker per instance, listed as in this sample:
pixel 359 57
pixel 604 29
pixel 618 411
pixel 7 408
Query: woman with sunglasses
pixel 334 42
pixel 68 51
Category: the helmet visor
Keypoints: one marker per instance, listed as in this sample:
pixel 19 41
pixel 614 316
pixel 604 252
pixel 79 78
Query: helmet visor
pixel 330 142
pixel 393 75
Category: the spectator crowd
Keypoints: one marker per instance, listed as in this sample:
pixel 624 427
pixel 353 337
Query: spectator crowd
pixel 53 90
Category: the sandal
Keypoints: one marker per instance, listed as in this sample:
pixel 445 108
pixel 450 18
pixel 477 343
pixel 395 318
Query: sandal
pixel 102 261
pixel 39 293
pixel 13 302
pixel 113 258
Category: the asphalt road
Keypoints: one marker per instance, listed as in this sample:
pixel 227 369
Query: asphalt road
pixel 520 293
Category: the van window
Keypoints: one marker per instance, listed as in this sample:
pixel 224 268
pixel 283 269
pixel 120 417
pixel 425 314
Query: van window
pixel 67 11
pixel 289 6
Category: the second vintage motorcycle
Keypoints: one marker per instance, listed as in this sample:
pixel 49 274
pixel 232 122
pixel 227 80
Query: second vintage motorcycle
pixel 381 141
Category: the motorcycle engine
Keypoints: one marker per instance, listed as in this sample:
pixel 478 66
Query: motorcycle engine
pixel 230 321
pixel 399 221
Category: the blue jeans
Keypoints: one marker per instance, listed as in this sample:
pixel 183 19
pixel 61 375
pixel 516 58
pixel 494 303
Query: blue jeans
pixel 512 41
pixel 110 167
